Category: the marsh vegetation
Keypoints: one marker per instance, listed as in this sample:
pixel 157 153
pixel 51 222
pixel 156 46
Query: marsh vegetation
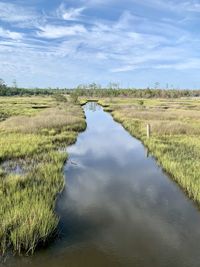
pixel 32 129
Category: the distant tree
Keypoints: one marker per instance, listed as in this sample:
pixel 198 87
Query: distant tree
pixel 157 85
pixel 94 86
pixel 15 83
pixel 112 85
pixel 82 87
pixel 2 83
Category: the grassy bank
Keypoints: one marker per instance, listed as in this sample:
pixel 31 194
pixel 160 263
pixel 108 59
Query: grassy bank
pixel 32 132
pixel 175 134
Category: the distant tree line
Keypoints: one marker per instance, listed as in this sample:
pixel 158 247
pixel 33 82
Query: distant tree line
pixel 137 93
pixel 10 91
pixel 14 91
pixel 94 90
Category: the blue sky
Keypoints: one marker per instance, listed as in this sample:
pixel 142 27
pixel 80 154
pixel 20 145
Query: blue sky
pixel 136 43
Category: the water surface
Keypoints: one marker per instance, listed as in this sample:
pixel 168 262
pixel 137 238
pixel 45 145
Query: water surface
pixel 118 208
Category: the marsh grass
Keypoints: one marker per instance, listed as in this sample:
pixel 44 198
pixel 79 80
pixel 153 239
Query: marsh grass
pixel 28 199
pixel 175 137
pixel 53 118
pixel 28 106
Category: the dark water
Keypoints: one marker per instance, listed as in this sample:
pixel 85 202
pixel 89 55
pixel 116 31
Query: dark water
pixel 119 208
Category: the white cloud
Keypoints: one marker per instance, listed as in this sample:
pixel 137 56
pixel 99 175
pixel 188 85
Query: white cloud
pixel 10 34
pixel 187 64
pixel 14 13
pixel 53 32
pixel 69 13
pixel 191 6
pixel 172 5
pixel 123 69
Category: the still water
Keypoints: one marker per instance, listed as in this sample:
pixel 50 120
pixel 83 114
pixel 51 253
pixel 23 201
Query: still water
pixel 118 208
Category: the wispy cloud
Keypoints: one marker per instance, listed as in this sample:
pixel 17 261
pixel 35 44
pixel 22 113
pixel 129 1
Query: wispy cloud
pixel 123 69
pixel 10 34
pixel 11 12
pixel 175 6
pixel 188 64
pixel 98 40
pixel 53 31
pixel 69 13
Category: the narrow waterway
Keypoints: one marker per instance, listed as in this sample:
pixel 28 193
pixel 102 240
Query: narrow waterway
pixel 118 208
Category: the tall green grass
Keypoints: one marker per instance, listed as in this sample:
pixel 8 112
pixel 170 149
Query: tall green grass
pixel 27 200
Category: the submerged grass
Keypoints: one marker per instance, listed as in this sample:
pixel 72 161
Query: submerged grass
pixel 175 134
pixel 28 199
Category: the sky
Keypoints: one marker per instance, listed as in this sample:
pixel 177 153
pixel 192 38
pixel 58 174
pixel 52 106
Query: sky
pixel 65 43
